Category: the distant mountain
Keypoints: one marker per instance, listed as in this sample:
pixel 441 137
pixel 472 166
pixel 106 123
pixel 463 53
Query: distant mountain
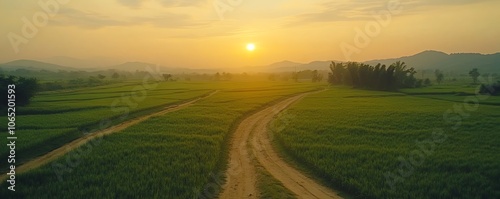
pixel 131 66
pixel 284 64
pixel 274 67
pixel 317 65
pixel 80 63
pixel 143 66
pixel 460 62
pixel 426 60
pixel 33 65
pixel 288 66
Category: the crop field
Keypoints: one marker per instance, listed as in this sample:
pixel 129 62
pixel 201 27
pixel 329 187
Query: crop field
pixel 392 145
pixel 55 118
pixel 434 142
pixel 171 156
pixel 232 99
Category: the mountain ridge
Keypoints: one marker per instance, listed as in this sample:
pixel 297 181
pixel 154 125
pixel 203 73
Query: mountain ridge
pixel 29 64
pixel 425 60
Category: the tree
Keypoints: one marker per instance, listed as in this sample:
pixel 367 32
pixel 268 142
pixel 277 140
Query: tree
pixel 427 82
pixel 474 73
pixel 404 77
pixel 439 76
pixel 94 81
pixel 295 76
pixel 316 76
pixel 217 76
pixel 28 88
pixel 101 76
pixel 336 74
pixel 227 76
pixel 166 77
pixel 25 89
pixel 493 89
pixel 419 83
pixel 272 77
pixel 115 75
pixel 352 68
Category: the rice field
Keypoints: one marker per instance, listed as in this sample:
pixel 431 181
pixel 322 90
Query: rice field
pixel 171 156
pixel 56 118
pixel 391 145
pixel 369 144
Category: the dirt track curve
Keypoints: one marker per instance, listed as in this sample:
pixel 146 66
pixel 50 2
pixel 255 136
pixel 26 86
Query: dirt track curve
pixel 41 160
pixel 251 141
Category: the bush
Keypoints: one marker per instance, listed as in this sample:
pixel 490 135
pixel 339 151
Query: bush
pixel 25 89
pixel 493 89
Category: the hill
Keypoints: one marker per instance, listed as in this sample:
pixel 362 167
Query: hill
pixel 459 62
pixel 131 66
pixel 33 65
pixel 426 60
pixel 287 66
pixel 95 63
pixel 143 66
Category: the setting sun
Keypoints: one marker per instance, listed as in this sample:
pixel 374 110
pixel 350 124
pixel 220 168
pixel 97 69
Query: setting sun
pixel 250 99
pixel 250 47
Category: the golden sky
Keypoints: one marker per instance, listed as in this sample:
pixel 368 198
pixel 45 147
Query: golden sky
pixel 214 33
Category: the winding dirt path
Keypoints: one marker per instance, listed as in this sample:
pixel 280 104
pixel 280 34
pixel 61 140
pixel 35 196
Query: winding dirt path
pixel 251 141
pixel 44 159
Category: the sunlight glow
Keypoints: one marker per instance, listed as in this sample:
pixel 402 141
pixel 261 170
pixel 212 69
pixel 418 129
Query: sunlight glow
pixel 250 47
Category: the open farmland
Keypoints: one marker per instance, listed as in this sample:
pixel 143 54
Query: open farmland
pixel 171 156
pixel 255 99
pixel 362 144
pixel 56 118
pixel 392 145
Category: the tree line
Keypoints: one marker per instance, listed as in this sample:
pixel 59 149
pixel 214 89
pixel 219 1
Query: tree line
pixel 26 88
pixel 379 77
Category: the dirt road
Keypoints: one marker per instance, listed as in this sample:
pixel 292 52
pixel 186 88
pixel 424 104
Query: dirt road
pixel 41 160
pixel 251 141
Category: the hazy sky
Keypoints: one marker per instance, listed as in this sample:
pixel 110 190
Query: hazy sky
pixel 207 33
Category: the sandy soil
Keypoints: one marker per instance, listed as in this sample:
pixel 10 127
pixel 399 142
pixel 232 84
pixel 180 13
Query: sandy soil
pixel 250 142
pixel 44 159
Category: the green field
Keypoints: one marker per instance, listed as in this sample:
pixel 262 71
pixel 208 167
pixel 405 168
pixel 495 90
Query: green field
pixel 393 145
pixel 368 144
pixel 55 118
pixel 171 156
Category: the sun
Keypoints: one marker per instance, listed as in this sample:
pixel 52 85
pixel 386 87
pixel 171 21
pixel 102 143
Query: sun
pixel 250 47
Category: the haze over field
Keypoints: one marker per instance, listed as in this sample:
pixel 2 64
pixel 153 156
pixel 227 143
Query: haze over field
pixel 251 99
pixel 216 33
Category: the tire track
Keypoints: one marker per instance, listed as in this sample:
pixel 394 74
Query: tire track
pixel 251 141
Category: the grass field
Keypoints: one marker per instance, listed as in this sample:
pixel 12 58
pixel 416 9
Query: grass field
pixel 369 144
pixel 55 118
pixel 171 156
pixel 390 145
